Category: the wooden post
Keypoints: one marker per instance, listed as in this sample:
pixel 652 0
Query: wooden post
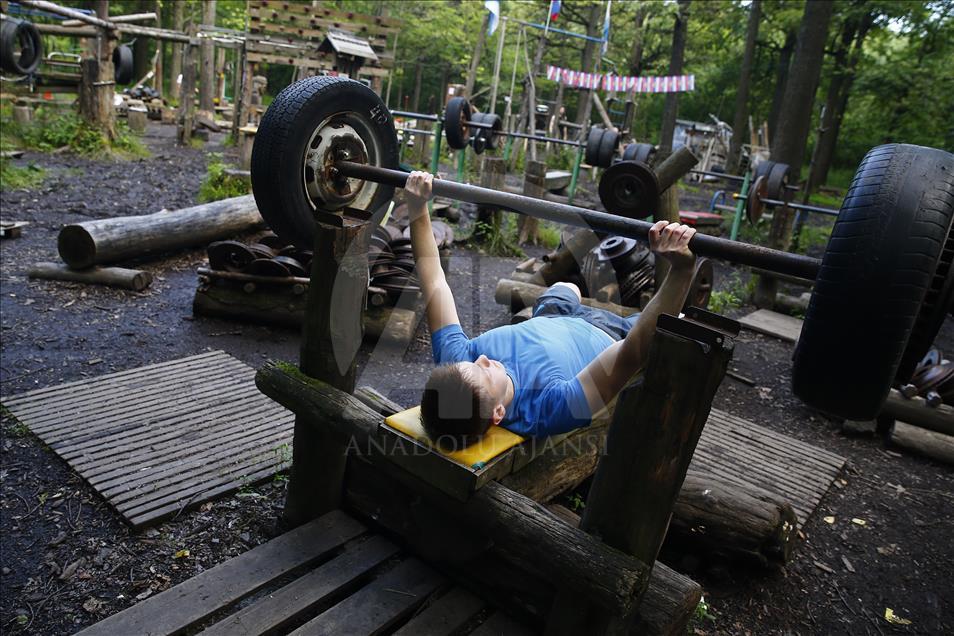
pixel 534 178
pixel 207 55
pixel 780 238
pixel 238 101
pixel 422 155
pixel 655 428
pixel 331 336
pixel 220 76
pixel 158 81
pixel 97 82
pixel 187 94
pixel 175 66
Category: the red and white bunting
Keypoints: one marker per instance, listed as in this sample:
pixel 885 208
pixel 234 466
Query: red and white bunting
pixel 620 83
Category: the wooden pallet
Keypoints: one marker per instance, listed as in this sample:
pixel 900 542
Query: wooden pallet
pixel 736 451
pixel 330 576
pixel 159 438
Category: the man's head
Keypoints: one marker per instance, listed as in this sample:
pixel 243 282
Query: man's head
pixel 462 400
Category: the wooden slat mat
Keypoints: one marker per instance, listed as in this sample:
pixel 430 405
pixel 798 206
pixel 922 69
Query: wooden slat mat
pixel 736 451
pixel 156 439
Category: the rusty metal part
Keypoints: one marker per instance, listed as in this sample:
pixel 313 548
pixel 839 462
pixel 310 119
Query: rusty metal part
pixel 630 189
pixel 292 265
pixel 273 241
pixel 700 290
pixel 754 204
pixel 266 267
pixel 261 251
pixel 240 277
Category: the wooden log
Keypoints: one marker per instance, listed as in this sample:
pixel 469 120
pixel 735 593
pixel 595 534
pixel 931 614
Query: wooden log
pixel 534 185
pixel 22 115
pixel 137 119
pixel 656 425
pixel 83 245
pixel 134 279
pixel 931 444
pixel 519 527
pixel 915 411
pixel 186 95
pixel 331 336
pixel 280 306
pixel 517 295
pixel 118 19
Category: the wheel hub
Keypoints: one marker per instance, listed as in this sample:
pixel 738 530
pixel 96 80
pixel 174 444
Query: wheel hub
pixel 326 187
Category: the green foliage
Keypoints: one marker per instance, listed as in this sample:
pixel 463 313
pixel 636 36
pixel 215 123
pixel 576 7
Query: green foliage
pixel 733 295
pixel 814 238
pixel 700 616
pixel 54 129
pixel 19 177
pixel 219 185
pixel 549 234
pixel 561 158
pixel 496 238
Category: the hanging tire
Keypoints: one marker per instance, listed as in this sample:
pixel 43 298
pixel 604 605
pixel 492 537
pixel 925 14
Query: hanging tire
pixel 593 140
pixel 123 68
pixel 21 48
pixel 608 145
pixel 456 115
pixel 310 123
pixel 882 258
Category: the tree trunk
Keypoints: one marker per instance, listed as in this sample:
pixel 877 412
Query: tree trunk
pixel 141 55
pixel 158 82
pixel 416 100
pixel 475 59
pixel 110 240
pixel 175 63
pixel 134 279
pixel 636 54
pixel 837 101
pixel 781 80
pixel 671 106
pixel 207 61
pixel 591 54
pixel 97 82
pixel 740 128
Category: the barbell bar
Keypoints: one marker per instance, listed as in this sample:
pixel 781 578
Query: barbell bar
pixel 701 244
pixel 732 177
pixel 795 206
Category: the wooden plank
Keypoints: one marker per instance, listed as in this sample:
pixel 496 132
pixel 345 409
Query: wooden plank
pixel 499 623
pixel 317 28
pixel 78 383
pixel 324 11
pixel 190 602
pixel 742 451
pixel 148 517
pixel 784 443
pixel 445 615
pixel 378 606
pixel 310 593
pixel 774 324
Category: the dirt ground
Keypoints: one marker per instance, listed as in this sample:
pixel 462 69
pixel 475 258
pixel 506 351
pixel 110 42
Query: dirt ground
pixel 68 560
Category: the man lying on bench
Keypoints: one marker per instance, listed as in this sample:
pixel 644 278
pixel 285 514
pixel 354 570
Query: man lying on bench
pixel 546 375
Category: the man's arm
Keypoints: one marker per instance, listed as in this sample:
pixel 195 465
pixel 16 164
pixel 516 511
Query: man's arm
pixel 609 372
pixel 438 299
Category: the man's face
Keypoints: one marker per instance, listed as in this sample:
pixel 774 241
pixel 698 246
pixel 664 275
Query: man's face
pixel 489 374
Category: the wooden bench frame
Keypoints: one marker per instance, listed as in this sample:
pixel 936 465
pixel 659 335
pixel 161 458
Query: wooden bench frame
pixel 603 568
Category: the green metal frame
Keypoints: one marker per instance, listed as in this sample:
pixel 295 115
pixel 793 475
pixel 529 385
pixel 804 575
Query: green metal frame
pixel 740 207
pixel 576 174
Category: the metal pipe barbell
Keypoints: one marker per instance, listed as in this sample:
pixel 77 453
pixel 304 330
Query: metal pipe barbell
pixel 701 244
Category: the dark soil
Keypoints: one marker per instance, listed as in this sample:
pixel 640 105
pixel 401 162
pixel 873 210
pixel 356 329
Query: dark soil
pixel 68 560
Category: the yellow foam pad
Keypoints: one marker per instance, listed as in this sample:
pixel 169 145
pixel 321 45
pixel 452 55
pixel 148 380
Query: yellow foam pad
pixel 494 442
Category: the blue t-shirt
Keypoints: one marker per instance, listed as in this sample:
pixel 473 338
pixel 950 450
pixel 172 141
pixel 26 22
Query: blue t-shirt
pixel 542 357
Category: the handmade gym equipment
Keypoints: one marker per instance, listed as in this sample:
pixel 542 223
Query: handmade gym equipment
pixel 882 288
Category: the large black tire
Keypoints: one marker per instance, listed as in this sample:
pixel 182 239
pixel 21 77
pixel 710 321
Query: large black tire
pixel 123 67
pixel 21 48
pixel 456 116
pixel 279 173
pixel 881 260
pixel 478 141
pixel 492 136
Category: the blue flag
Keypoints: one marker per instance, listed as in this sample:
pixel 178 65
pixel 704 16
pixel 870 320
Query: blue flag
pixel 494 18
pixel 606 24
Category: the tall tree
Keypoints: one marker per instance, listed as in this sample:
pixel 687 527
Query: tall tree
pixel 207 60
pixel 846 56
pixel 794 117
pixel 740 122
pixel 175 66
pixel 671 106
pixel 781 80
pixel 475 58
pixel 589 61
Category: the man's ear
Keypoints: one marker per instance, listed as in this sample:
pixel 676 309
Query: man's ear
pixel 497 416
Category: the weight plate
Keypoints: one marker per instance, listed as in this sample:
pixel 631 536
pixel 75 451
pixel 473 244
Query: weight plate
pixel 311 124
pixel 608 145
pixel 593 141
pixel 629 152
pixel 456 115
pixel 629 189
pixel 478 141
pixel 266 267
pixel 273 241
pixel 762 169
pixel 777 181
pixel 229 256
pixel 753 203
pixel 932 357
pixel 292 265
pixel 492 136
pixel 880 262
pixel 644 153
